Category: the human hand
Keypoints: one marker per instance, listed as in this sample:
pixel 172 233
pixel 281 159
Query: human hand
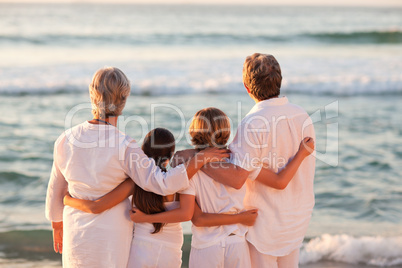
pixel 181 157
pixel 213 154
pixel 137 215
pixel 58 237
pixel 306 146
pixel 248 217
pixel 67 198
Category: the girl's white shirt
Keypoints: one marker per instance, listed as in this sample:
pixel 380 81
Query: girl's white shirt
pixel 214 197
pixel 171 234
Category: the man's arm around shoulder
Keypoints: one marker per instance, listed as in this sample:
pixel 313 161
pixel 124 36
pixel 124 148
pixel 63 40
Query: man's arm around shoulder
pixel 226 173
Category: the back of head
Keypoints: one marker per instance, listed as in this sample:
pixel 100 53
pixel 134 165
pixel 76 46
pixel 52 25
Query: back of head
pixel 210 128
pixel 159 144
pixel 109 91
pixel 262 76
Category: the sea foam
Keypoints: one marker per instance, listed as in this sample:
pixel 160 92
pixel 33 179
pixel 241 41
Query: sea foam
pixel 368 250
pixel 194 79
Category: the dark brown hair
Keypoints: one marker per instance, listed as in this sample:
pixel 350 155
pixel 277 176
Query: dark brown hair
pixel 159 144
pixel 262 76
pixel 210 128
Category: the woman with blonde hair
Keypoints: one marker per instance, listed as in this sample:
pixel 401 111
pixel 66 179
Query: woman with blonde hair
pixel 93 158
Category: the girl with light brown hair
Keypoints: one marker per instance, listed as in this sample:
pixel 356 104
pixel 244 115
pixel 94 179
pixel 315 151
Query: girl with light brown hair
pixel 217 243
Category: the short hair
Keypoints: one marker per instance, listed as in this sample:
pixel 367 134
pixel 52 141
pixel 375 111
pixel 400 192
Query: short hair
pixel 210 127
pixel 109 90
pixel 262 76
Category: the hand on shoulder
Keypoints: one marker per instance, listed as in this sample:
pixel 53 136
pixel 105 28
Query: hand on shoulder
pixel 181 157
pixel 306 146
pixel 214 154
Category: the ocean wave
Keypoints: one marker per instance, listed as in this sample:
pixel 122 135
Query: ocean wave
pixel 138 39
pixel 42 91
pixel 391 36
pixel 27 244
pixel 218 87
pixel 15 177
pixel 368 250
pixel 343 76
pixel 381 36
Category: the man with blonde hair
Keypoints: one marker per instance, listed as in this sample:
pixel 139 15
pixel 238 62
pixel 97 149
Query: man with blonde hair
pixel 267 138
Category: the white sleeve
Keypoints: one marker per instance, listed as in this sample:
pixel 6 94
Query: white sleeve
pixel 246 149
pixel 56 190
pixel 190 190
pixel 146 174
pixel 310 160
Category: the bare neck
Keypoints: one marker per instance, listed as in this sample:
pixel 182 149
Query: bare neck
pixel 257 101
pixel 110 120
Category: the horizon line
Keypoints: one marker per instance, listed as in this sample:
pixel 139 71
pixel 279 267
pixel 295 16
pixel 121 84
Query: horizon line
pixel 391 5
pixel 205 3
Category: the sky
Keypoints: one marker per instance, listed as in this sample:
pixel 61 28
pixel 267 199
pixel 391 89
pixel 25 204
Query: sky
pixel 270 2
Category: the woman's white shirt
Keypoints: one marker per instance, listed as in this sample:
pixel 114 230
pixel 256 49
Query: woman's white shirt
pixel 90 160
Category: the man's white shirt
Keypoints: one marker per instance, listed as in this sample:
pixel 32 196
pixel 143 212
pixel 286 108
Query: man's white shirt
pixel 270 135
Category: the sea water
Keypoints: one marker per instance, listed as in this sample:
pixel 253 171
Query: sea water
pixel 343 65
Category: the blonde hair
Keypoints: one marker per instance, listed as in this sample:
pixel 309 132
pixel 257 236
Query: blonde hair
pixel 262 76
pixel 210 127
pixel 109 91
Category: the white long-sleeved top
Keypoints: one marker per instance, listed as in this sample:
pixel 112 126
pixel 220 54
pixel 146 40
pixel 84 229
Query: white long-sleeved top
pixel 90 160
pixel 270 134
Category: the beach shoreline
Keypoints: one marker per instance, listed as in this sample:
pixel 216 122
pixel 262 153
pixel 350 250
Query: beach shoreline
pixel 34 249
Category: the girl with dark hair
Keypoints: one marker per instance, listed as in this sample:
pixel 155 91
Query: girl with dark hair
pixel 157 244
pixel 159 144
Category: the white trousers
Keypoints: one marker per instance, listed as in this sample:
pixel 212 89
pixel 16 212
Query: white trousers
pixel 232 252
pixel 260 260
pixel 153 254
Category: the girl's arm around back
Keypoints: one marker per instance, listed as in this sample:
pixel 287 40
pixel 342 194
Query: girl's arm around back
pixel 201 219
pixel 183 213
pixel 111 199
